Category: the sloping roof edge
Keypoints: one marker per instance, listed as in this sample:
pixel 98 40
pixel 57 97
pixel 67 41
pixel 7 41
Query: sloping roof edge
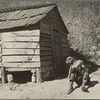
pixel 34 7
pixel 7 24
pixel 25 7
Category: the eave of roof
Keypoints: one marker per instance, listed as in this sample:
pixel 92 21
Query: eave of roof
pixel 19 18
pixel 24 16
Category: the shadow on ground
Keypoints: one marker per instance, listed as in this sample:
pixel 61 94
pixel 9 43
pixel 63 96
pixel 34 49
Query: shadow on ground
pixel 92 84
pixel 92 66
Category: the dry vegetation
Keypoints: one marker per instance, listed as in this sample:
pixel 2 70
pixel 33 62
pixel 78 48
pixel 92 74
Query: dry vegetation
pixel 82 21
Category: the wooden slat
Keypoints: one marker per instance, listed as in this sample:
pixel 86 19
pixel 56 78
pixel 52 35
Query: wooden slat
pixel 45 36
pixel 55 24
pixel 0 36
pixel 0 73
pixel 44 58
pixel 48 68
pixel 65 55
pixel 20 51
pixel 55 13
pixel 20 58
pixel 42 39
pixel 53 49
pixel 45 44
pixel 46 53
pixel 0 65
pixel 54 21
pixel 64 40
pixel 20 45
pixel 64 45
pixel 54 16
pixel 46 63
pixel 19 69
pixel 22 33
pixel 45 28
pixel 45 31
pixel 0 49
pixel 65 50
pixel 3 75
pixel 33 38
pixel 46 48
pixel 30 65
pixel 38 75
pixel 64 36
pixel 0 43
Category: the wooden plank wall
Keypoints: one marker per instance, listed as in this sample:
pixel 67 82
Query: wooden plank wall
pixel 54 19
pixel 21 49
pixel 65 46
pixel 46 48
pixel 56 23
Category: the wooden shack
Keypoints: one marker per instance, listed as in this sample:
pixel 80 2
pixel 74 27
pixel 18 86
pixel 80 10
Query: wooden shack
pixel 33 39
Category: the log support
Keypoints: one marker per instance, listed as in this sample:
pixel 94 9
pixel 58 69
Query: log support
pixel 38 75
pixel 33 77
pixel 10 78
pixel 3 75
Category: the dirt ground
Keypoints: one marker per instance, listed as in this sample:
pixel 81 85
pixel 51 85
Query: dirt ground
pixel 56 89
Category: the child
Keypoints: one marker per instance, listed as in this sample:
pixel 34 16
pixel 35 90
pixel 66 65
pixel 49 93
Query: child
pixel 77 73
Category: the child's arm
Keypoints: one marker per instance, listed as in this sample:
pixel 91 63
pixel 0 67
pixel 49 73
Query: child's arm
pixel 69 72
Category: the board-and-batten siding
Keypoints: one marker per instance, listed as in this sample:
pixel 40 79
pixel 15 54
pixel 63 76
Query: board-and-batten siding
pixel 21 49
pixel 46 48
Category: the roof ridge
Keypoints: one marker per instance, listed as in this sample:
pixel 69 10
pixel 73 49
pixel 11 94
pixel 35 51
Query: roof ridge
pixel 26 7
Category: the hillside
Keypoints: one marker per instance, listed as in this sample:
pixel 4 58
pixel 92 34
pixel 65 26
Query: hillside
pixel 81 19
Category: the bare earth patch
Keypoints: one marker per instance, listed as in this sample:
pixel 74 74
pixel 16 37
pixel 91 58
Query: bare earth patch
pixel 56 89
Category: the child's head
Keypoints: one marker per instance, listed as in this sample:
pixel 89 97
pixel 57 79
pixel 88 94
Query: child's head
pixel 69 60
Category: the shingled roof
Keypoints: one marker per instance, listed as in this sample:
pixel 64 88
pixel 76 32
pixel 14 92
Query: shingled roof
pixel 23 17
